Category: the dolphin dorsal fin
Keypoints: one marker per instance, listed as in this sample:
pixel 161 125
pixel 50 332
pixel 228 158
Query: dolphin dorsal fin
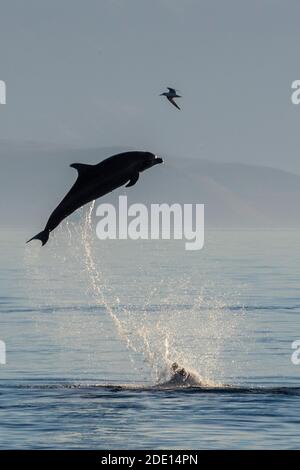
pixel 82 168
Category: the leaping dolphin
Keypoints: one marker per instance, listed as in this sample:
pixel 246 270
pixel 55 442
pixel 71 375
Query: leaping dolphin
pixel 94 181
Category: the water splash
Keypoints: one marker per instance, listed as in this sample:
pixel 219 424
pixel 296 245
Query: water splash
pixel 195 338
pixel 98 281
pixel 161 314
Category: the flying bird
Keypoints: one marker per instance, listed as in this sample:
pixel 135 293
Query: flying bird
pixel 170 95
pixel 94 181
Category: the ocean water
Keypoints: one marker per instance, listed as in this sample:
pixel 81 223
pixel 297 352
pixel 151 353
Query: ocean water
pixel 91 329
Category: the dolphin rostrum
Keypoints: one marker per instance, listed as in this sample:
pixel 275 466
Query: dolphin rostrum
pixel 94 181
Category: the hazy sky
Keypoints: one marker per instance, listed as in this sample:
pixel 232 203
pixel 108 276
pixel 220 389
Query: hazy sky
pixel 89 73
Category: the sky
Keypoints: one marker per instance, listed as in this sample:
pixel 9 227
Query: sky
pixel 89 73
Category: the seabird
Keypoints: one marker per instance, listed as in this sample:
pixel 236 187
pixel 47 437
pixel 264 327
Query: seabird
pixel 170 95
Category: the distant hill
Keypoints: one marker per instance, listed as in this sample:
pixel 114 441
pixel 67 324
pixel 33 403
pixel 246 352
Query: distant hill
pixel 34 178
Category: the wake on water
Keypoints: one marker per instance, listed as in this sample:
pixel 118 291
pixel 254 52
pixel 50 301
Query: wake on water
pixel 162 334
pixel 158 388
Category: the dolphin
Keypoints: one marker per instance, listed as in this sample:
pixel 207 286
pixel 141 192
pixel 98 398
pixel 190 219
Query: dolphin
pixel 94 181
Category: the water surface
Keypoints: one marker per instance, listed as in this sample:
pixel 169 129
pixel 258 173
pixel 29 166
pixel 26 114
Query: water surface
pixel 91 327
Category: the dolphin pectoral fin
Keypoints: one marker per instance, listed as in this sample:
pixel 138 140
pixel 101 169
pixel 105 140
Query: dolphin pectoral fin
pixel 82 168
pixel 132 180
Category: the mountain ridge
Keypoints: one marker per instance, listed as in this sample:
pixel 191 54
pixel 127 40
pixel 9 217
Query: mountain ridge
pixel 34 179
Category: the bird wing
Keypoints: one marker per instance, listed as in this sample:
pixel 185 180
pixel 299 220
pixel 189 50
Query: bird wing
pixel 172 90
pixel 173 102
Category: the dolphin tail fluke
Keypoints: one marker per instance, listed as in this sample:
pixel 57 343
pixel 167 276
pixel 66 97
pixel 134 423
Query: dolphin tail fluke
pixel 42 236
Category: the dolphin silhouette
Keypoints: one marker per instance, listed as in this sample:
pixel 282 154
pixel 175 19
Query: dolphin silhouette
pixel 94 181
